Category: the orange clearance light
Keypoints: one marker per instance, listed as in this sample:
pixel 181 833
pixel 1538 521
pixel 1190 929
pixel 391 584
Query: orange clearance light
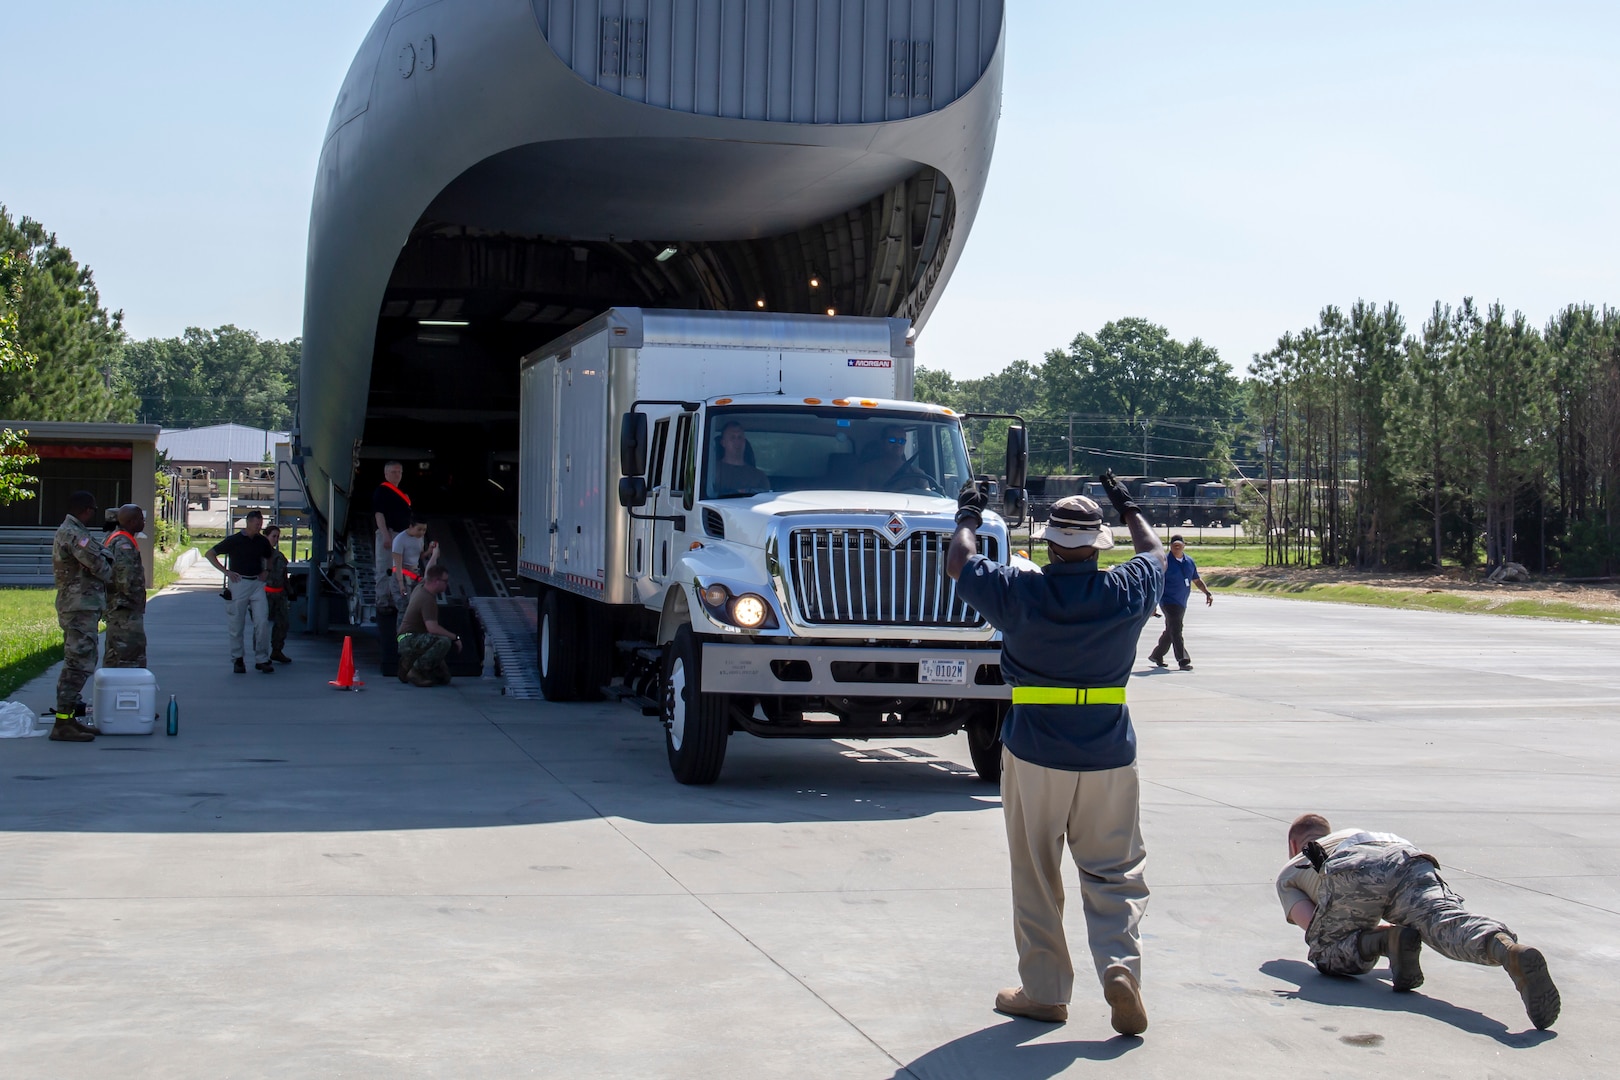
pixel 832 311
pixel 722 401
pixel 759 303
pixel 812 401
pixel 948 412
pixel 693 546
pixel 840 401
pixel 868 403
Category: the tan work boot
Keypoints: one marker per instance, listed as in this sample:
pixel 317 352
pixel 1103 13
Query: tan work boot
pixel 1403 946
pixel 1125 998
pixel 1014 1002
pixel 65 730
pixel 1528 970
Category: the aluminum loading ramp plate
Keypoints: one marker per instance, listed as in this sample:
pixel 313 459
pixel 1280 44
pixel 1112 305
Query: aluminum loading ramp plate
pixel 509 631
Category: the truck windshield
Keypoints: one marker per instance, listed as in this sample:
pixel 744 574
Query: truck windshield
pixel 749 451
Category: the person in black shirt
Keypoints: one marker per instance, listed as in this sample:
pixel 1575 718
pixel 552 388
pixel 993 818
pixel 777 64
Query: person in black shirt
pixel 250 555
pixel 391 508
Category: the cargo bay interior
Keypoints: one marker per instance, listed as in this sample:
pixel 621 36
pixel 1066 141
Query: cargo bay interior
pixel 808 157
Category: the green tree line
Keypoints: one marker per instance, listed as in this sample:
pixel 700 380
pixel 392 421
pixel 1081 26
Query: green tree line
pixel 81 365
pixel 1478 437
pixel 1130 398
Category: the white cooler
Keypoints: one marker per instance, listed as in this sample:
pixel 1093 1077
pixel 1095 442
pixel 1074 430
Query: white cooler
pixel 124 700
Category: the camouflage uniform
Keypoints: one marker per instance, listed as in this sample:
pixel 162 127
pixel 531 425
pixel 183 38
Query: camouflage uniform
pixel 424 655
pixel 275 594
pixel 1366 881
pixel 126 605
pixel 82 569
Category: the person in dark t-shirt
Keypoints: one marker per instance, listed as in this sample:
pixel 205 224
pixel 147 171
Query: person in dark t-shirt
pixel 250 554
pixel 391 509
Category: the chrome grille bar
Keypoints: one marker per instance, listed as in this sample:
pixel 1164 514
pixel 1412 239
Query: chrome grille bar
pixel 855 577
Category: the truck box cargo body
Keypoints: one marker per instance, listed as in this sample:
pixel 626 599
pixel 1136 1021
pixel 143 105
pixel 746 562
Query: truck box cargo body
pixel 740 520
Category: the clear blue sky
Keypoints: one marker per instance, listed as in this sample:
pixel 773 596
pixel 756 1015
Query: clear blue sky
pixel 1223 169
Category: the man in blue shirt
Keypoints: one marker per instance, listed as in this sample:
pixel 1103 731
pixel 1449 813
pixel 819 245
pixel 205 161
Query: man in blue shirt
pixel 1068 763
pixel 1180 575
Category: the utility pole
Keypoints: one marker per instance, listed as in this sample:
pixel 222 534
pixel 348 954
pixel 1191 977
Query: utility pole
pixel 1144 447
pixel 1071 444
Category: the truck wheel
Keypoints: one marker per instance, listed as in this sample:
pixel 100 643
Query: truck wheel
pixel 984 740
pixel 558 638
pixel 696 725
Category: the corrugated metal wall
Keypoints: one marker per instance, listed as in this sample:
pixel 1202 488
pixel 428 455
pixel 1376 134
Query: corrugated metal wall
pixel 794 61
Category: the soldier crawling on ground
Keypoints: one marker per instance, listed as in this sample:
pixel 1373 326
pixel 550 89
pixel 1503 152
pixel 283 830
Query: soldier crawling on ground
pixel 126 593
pixel 82 568
pixel 1341 886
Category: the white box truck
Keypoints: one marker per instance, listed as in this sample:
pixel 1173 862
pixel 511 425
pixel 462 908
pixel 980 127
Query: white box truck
pixel 763 551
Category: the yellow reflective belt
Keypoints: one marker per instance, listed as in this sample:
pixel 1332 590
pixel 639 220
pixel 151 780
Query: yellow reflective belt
pixel 1068 695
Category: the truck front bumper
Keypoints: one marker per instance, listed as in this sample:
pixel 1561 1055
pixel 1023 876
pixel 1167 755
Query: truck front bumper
pixel 847 671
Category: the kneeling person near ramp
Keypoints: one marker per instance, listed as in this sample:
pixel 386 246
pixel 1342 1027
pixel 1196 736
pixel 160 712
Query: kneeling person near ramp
pixel 423 643
pixel 1340 886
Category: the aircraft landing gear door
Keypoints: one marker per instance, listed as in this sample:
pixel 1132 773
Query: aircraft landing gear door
pixel 671 499
pixel 639 559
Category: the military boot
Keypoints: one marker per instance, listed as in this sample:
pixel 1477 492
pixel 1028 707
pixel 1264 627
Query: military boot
pixel 65 730
pixel 1528 970
pixel 1402 945
pixel 80 711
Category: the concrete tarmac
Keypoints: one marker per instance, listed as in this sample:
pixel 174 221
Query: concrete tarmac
pixel 448 882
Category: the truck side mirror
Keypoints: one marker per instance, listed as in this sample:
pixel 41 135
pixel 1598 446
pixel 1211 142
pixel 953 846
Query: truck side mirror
pixel 1012 504
pixel 633 491
pixel 633 448
pixel 1017 455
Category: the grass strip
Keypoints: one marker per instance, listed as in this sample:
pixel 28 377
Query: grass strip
pixel 1411 599
pixel 31 640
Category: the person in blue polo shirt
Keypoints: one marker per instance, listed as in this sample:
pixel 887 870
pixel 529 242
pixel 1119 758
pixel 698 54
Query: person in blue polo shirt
pixel 1180 575
pixel 1068 763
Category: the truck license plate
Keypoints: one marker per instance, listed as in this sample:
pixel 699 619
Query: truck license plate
pixel 949 672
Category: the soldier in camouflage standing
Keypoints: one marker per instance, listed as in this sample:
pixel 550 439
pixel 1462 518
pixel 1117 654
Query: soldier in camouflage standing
pixel 126 593
pixel 275 593
pixel 82 569
pixel 1339 887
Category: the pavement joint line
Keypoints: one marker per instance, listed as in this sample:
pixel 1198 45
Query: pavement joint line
pixel 773 961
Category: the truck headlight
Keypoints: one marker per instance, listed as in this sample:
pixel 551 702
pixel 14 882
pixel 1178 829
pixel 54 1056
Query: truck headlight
pixel 750 611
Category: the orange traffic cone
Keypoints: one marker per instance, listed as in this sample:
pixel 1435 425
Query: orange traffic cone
pixel 346 679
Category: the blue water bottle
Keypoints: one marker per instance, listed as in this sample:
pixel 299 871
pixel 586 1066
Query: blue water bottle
pixel 173 727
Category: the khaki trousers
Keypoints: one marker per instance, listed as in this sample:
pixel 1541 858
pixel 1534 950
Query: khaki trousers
pixel 1097 814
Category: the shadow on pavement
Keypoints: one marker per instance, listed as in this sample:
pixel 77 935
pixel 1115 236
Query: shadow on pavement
pixel 1004 1052
pixel 1336 990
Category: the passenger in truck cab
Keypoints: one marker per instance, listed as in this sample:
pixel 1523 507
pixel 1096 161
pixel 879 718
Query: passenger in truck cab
pixel 735 473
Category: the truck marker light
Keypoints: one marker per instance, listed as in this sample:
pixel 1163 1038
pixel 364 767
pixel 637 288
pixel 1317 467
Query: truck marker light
pixel 715 595
pixel 812 401
pixel 868 403
pixel 694 545
pixel 832 311
pixel 841 401
pixel 722 401
pixel 759 303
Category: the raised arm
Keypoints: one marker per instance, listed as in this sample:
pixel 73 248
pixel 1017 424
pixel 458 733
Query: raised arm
pixel 1143 538
pixel 970 504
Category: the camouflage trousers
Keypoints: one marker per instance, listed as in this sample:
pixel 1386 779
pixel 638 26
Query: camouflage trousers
pixel 424 654
pixel 280 619
pixel 126 639
pixel 79 629
pixel 1368 883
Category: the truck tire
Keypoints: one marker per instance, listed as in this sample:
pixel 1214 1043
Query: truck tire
pixel 696 725
pixel 558 641
pixel 984 740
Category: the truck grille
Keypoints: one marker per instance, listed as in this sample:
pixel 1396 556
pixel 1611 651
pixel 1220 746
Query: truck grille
pixel 852 577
